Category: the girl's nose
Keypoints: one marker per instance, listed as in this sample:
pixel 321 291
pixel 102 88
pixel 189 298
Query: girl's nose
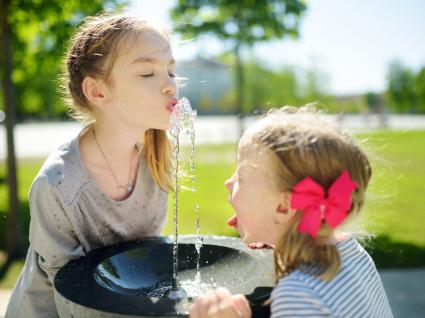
pixel 228 184
pixel 169 88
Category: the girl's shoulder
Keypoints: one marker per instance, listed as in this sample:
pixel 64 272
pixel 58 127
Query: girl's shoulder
pixel 292 297
pixel 63 171
pixel 357 282
pixel 307 280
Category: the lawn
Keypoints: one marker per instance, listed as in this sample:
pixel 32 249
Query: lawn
pixel 396 201
pixel 394 209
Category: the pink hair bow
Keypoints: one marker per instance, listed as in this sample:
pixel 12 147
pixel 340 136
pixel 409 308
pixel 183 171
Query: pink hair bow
pixel 309 197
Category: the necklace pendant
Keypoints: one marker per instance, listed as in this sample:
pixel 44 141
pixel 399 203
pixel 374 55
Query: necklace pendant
pixel 129 187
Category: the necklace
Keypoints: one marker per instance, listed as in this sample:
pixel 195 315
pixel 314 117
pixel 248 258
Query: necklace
pixel 129 186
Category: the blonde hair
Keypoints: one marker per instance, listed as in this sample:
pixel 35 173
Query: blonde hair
pixel 92 52
pixel 303 143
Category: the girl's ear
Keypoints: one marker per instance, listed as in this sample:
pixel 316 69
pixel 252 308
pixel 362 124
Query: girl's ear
pixel 94 90
pixel 284 202
pixel 283 210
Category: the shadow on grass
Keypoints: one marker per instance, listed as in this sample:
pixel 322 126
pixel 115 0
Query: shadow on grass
pixel 7 260
pixel 387 253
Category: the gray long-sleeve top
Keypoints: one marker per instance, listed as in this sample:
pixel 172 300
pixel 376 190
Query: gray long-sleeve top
pixel 70 216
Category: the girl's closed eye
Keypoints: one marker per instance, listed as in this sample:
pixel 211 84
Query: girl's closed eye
pixel 237 179
pixel 150 75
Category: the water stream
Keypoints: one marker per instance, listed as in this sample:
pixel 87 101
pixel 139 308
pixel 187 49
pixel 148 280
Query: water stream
pixel 182 120
pixel 175 131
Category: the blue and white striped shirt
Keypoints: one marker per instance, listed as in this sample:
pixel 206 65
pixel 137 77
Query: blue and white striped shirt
pixel 356 291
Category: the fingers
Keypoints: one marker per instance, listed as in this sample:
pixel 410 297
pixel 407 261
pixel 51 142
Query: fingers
pixel 241 304
pixel 256 245
pixel 221 304
pixel 201 307
pixel 224 299
pixel 259 245
pixel 193 311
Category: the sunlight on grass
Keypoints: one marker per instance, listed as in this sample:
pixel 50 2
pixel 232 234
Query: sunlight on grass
pixel 395 201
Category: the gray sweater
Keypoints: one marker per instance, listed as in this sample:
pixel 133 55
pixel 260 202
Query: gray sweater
pixel 70 216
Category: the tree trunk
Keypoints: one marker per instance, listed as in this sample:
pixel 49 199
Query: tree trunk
pixel 14 242
pixel 240 88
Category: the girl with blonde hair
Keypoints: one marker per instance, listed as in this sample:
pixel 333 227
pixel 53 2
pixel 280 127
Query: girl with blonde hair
pixel 299 180
pixel 109 183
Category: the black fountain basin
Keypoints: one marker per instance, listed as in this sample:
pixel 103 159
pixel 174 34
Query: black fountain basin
pixel 132 279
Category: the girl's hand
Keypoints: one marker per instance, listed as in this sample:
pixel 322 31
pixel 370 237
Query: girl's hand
pixel 220 303
pixel 259 245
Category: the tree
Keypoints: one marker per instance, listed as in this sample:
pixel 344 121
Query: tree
pixel 373 102
pixel 33 37
pixel 241 22
pixel 267 87
pixel 14 241
pixel 419 89
pixel 400 90
pixel 40 31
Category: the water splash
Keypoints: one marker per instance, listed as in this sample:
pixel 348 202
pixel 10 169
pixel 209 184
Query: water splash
pixel 199 239
pixel 183 116
pixel 182 119
pixel 175 131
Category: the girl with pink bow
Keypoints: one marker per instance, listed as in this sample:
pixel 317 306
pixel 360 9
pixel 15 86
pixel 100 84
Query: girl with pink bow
pixel 300 182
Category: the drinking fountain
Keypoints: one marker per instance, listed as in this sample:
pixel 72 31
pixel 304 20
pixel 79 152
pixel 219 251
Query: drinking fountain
pixel 132 279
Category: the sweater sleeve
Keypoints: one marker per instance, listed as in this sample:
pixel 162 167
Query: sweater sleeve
pixel 293 299
pixel 52 244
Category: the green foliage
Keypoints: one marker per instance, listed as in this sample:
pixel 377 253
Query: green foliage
pixel 40 32
pixel 373 101
pixel 243 21
pixel 406 89
pixel 266 88
pixel 419 89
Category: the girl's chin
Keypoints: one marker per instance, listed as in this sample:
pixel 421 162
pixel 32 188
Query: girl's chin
pixel 244 237
pixel 164 126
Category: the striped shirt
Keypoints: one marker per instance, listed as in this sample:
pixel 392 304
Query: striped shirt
pixel 356 291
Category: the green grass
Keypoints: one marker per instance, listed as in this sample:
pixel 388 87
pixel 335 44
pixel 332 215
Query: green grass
pixel 394 210
pixel 396 200
pixel 213 165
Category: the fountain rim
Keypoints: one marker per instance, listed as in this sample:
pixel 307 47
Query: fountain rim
pixel 95 257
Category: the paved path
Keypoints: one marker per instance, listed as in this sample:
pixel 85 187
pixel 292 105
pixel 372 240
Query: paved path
pixel 405 289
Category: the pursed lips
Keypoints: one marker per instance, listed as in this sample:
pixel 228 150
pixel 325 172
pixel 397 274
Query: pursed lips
pixel 172 105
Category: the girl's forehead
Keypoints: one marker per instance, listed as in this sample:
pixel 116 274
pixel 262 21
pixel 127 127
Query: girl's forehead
pixel 253 157
pixel 251 152
pixel 256 156
pixel 148 45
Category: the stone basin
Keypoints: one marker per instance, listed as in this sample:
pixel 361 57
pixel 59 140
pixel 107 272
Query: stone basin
pixel 131 279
